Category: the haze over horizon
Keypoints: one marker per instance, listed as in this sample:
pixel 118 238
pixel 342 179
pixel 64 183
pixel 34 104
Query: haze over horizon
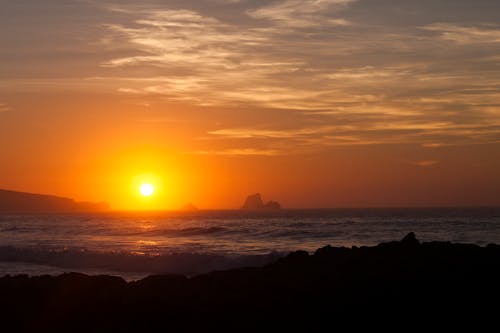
pixel 313 103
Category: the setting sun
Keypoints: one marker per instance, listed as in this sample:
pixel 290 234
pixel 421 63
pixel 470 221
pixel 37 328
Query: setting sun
pixel 147 190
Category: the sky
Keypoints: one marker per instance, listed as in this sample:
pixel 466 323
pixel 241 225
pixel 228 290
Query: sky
pixel 313 103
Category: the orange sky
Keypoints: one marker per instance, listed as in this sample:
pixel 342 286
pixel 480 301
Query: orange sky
pixel 319 104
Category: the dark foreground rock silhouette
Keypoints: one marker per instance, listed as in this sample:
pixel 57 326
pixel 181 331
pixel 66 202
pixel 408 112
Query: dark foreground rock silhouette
pixel 419 284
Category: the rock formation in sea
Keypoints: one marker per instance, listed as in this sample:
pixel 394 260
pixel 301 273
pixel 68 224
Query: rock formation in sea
pixel 272 205
pixel 189 207
pixel 254 202
pixel 21 202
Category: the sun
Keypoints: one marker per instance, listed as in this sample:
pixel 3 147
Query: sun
pixel 147 190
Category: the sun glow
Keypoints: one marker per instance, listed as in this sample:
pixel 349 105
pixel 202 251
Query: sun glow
pixel 147 190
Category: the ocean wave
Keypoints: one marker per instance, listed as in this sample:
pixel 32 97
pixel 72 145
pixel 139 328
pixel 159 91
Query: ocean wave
pixel 14 229
pixel 195 231
pixel 171 232
pixel 175 263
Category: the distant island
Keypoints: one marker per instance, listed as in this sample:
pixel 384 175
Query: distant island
pixel 189 208
pixel 254 202
pixel 21 202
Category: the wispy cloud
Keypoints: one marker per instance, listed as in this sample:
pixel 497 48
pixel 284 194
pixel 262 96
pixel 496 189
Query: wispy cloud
pixel 355 133
pixel 302 13
pixel 465 34
pixel 194 50
pixel 355 74
pixel 238 152
pixel 173 38
pixel 366 84
pixel 211 62
pixel 370 72
pixel 425 163
pixel 287 64
pixel 4 107
pixel 245 133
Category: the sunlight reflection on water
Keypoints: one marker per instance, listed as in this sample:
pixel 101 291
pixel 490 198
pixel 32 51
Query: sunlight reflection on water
pixel 235 233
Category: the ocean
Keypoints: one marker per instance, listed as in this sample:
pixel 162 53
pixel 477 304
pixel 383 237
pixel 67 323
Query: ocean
pixel 134 245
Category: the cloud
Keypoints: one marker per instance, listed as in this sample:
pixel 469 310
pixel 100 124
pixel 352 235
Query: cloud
pixel 369 72
pixel 4 107
pixel 227 1
pixel 434 145
pixel 302 13
pixel 238 152
pixel 194 50
pixel 211 62
pixel 364 84
pixel 465 34
pixel 425 163
pixel 312 73
pixel 355 133
pixel 246 133
pixel 172 38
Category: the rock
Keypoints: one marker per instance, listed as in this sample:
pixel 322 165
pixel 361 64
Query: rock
pixel 410 240
pixel 272 205
pixel 254 202
pixel 438 281
pixel 189 208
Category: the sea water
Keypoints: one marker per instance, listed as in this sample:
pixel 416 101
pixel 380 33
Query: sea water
pixel 133 245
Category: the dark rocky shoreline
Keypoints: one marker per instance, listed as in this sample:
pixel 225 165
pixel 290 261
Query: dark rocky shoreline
pixel 406 280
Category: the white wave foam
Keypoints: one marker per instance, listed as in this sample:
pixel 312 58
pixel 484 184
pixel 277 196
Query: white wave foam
pixel 179 263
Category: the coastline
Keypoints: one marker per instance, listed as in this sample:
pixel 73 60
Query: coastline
pixel 400 277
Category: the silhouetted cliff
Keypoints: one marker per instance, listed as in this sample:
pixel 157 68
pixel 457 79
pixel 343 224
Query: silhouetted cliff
pixel 20 202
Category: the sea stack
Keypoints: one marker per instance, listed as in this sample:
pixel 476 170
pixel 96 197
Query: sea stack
pixel 189 207
pixel 254 202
